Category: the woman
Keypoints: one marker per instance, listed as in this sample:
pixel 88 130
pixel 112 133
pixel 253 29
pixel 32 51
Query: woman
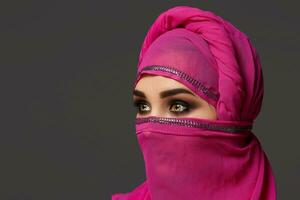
pixel 198 90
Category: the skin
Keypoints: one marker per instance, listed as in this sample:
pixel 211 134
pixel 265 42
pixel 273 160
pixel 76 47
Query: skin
pixel 148 101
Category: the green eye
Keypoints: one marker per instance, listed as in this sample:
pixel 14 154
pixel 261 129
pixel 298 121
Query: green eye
pixel 142 107
pixel 179 107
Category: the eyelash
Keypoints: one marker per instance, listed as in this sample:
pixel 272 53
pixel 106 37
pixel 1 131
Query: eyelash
pixel 187 106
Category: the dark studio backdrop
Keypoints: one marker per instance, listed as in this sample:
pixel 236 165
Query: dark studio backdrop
pixel 67 117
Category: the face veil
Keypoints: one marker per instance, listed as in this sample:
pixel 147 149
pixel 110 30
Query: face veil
pixel 193 158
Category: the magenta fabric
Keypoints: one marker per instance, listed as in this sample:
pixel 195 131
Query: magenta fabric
pixel 187 52
pixel 192 158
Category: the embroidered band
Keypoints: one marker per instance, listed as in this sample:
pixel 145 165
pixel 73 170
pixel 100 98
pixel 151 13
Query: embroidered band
pixel 195 124
pixel 183 75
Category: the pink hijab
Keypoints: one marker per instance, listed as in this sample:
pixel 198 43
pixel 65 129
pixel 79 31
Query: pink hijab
pixel 191 158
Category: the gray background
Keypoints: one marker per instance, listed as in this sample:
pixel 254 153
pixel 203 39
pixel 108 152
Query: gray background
pixel 67 67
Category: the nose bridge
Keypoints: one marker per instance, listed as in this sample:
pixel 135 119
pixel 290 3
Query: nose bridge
pixel 157 108
pixel 156 111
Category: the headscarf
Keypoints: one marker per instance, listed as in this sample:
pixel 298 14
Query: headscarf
pixel 190 158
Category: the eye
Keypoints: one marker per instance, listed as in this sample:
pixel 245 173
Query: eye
pixel 178 107
pixel 142 106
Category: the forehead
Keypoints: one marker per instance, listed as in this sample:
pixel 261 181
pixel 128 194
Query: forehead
pixel 149 81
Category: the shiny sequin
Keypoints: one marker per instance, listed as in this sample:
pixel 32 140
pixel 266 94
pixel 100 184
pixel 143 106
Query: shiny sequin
pixel 195 124
pixel 182 75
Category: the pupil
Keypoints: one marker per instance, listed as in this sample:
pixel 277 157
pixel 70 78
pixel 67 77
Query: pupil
pixel 178 107
pixel 143 106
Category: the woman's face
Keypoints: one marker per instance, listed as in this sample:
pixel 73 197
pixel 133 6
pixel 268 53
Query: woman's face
pixel 164 97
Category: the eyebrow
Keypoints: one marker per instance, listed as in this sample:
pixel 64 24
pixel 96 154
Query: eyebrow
pixel 165 93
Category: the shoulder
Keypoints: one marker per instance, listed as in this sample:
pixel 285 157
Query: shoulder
pixel 140 192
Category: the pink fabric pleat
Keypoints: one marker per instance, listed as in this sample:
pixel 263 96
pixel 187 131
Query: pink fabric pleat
pixel 200 159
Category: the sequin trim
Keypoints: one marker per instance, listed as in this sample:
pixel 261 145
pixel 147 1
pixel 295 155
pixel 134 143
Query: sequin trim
pixel 195 124
pixel 183 75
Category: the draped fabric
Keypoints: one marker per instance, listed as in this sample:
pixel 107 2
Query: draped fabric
pixel 193 158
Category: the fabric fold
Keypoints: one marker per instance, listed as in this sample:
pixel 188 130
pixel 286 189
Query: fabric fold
pixel 192 158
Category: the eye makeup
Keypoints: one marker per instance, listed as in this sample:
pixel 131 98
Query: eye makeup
pixel 182 105
pixel 176 106
pixel 138 104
